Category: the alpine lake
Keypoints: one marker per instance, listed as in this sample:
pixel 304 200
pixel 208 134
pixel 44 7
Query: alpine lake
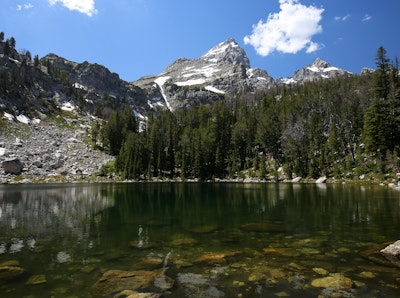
pixel 198 240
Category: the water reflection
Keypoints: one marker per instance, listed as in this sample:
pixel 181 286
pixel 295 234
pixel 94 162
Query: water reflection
pixel 265 238
pixel 28 213
pixel 339 209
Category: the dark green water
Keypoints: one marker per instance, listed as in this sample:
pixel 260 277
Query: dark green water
pixel 278 238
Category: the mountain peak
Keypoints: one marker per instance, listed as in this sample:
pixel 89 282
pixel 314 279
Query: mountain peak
pixel 227 51
pixel 319 69
pixel 320 63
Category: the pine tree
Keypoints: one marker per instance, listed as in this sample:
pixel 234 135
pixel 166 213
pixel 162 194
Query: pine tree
pixel 381 75
pixel 36 60
pixel 376 127
pixel 6 48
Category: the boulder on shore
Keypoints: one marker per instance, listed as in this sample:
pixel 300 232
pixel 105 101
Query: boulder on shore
pixel 321 180
pixel 12 166
pixel 392 252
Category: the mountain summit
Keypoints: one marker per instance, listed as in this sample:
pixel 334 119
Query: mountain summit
pixel 224 69
pixel 227 51
pixel 319 69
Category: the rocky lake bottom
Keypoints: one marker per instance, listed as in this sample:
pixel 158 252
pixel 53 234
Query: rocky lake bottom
pixel 175 245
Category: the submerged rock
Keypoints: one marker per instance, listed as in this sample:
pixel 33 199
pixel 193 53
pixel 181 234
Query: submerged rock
pixel 138 244
pixel 192 278
pixel 231 236
pixel 334 281
pixel 182 240
pixel 367 274
pixel 282 251
pixel 113 282
pixel 309 251
pixel 10 272
pixel 320 271
pixel 203 229
pixel 217 257
pixel 196 285
pixel 263 228
pixel 37 279
pixel 375 255
pixel 134 294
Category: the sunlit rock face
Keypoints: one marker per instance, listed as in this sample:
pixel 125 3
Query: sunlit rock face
pixel 224 69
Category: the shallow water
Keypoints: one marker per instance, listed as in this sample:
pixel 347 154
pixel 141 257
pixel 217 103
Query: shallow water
pixel 212 239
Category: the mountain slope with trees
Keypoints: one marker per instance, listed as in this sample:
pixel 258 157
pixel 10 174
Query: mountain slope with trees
pixel 341 128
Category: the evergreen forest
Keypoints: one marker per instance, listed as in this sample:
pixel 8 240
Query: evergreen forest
pixel 340 128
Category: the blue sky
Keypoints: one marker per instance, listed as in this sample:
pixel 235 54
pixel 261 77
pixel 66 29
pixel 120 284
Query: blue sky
pixel 135 38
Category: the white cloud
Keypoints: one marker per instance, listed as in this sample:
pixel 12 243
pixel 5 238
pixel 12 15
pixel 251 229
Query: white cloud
pixel 24 6
pixel 313 46
pixel 366 18
pixel 345 18
pixel 83 6
pixel 288 31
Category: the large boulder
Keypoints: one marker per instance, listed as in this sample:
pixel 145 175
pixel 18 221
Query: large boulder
pixel 392 253
pixel 12 166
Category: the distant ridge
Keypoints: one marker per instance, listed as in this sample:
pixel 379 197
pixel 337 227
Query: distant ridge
pixel 319 69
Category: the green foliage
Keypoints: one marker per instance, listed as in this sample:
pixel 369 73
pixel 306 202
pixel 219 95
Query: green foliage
pixel 382 118
pixel 116 129
pixel 132 161
pixel 36 61
pixel 7 48
pixel 340 128
pixel 108 170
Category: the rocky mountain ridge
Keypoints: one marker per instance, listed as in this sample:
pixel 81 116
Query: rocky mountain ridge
pixel 94 81
pixel 224 69
pixel 35 92
pixel 319 69
pixel 55 82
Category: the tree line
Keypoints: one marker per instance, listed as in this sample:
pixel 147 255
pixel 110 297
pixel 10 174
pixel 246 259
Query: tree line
pixel 341 128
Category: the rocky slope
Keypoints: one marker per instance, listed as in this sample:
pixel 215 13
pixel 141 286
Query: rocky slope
pixel 94 83
pixel 225 69
pixel 48 151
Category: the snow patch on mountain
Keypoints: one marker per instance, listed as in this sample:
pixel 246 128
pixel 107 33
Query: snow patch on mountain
pixel 68 106
pixel 23 119
pixel 320 69
pixel 214 55
pixel 8 116
pixel 191 82
pixel 215 90
pixel 160 81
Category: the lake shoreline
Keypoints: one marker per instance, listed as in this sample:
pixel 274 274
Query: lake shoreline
pixel 60 179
